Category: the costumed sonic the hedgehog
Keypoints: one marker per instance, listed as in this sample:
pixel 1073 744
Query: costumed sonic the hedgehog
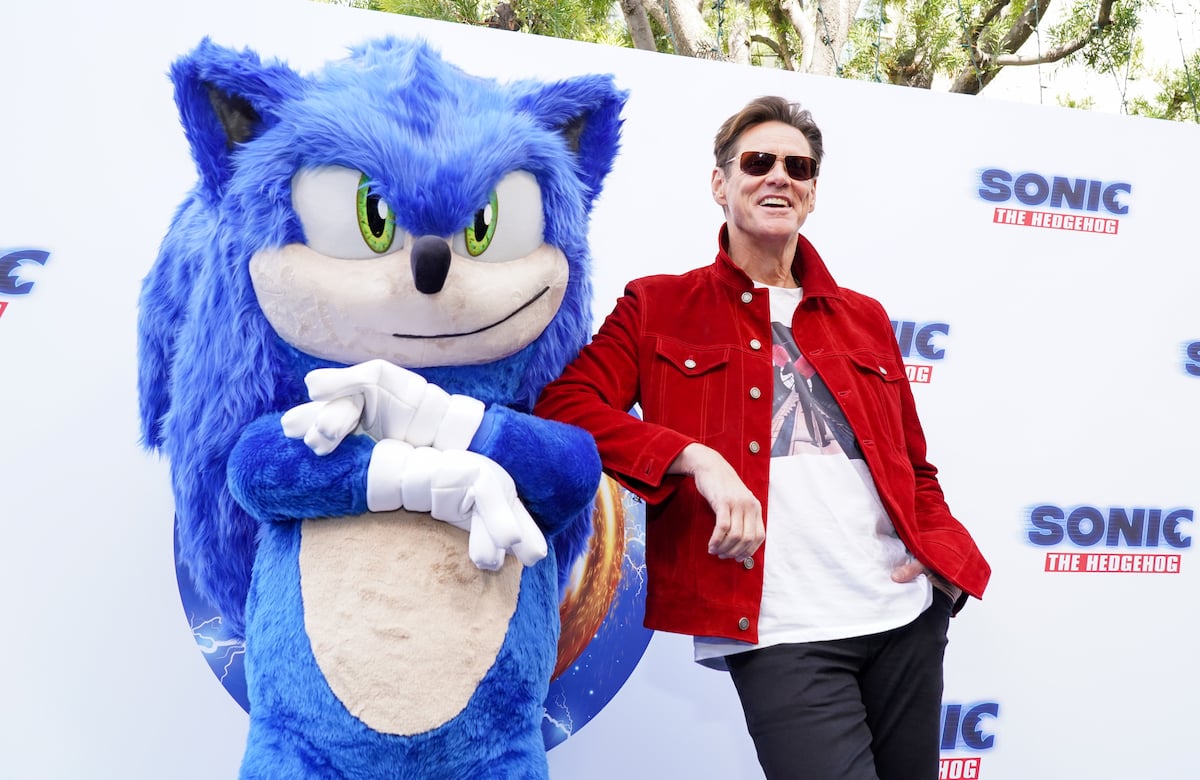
pixel 349 319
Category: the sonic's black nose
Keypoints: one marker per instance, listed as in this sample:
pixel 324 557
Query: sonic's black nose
pixel 430 264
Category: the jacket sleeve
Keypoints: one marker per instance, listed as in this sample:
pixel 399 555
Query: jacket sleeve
pixel 597 392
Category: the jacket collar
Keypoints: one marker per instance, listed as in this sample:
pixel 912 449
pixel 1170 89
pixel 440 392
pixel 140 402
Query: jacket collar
pixel 808 267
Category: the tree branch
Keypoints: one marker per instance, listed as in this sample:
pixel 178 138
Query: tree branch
pixel 987 66
pixel 1023 28
pixel 1103 19
pixel 986 19
pixel 785 57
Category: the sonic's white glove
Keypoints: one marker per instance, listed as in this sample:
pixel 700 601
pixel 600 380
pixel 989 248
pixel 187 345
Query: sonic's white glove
pixel 386 402
pixel 464 489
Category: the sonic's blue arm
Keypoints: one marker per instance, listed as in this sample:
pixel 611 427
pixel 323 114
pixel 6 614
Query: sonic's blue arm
pixel 275 478
pixel 555 466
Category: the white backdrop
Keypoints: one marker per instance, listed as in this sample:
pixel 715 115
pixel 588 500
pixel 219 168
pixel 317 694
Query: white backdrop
pixel 1059 376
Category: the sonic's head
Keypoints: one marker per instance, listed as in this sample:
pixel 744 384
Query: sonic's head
pixel 389 206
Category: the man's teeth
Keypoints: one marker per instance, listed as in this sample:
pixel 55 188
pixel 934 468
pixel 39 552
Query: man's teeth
pixel 773 202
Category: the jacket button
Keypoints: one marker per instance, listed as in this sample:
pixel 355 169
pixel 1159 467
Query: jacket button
pixel 748 562
pixel 754 446
pixel 883 370
pixel 747 297
pixel 690 363
pixel 744 624
pixel 755 344
pixel 755 392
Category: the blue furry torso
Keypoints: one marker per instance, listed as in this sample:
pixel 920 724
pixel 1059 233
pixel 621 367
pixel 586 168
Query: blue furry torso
pixel 374 647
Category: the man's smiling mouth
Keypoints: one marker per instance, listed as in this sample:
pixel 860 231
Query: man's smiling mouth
pixel 500 321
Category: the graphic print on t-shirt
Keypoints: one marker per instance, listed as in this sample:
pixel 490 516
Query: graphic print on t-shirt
pixel 805 420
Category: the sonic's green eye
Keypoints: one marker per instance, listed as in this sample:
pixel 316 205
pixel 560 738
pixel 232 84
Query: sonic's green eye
pixel 479 236
pixel 376 220
pixel 485 240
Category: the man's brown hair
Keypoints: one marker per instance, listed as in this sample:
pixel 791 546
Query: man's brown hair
pixel 768 108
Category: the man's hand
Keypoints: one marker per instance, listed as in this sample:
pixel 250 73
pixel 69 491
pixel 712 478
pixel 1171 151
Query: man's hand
pixel 739 529
pixel 914 568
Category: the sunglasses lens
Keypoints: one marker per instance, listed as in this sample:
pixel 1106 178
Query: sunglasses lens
pixel 800 168
pixel 757 163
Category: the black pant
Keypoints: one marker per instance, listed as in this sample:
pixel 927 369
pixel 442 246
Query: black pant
pixel 866 708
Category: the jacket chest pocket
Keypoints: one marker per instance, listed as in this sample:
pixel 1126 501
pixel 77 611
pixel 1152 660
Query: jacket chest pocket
pixel 687 388
pixel 879 379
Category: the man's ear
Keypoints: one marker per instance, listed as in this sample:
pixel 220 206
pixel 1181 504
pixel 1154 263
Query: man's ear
pixel 718 187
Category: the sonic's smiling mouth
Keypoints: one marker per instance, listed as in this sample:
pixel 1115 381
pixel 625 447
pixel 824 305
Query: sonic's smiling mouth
pixel 500 321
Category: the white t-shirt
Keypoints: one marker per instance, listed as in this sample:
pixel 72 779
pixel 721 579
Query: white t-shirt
pixel 830 547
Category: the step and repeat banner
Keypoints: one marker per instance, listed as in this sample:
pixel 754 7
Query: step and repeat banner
pixel 1039 265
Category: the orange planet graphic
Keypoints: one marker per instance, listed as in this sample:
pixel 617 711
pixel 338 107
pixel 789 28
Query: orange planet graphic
pixel 594 579
pixel 602 637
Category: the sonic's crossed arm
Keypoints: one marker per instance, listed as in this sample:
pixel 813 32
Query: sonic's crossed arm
pixel 423 454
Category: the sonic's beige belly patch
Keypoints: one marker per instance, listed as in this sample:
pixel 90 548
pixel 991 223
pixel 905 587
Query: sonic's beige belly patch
pixel 402 624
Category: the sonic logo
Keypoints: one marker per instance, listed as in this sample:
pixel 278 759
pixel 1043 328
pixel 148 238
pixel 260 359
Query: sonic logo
pixel 1102 200
pixel 956 768
pixel 11 282
pixel 1191 358
pixel 1137 528
pixel 966 727
pixel 922 340
pixel 1057 192
pixel 1088 526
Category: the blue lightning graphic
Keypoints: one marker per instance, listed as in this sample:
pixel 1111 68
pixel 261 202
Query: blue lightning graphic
pixel 222 650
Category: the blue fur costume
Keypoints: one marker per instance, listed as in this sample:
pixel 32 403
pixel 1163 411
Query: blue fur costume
pixel 257 284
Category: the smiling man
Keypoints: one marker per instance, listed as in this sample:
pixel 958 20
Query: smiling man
pixel 795 527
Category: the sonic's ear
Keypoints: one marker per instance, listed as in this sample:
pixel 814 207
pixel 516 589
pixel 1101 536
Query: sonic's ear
pixel 587 112
pixel 225 98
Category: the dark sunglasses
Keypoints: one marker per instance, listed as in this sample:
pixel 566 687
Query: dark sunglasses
pixel 761 163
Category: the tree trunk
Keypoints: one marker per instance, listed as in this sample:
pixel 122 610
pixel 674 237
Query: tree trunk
pixel 828 44
pixel 824 28
pixel 638 22
pixel 689 33
pixel 738 32
pixel 804 28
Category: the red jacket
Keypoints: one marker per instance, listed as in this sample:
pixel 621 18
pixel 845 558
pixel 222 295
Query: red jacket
pixel 695 352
